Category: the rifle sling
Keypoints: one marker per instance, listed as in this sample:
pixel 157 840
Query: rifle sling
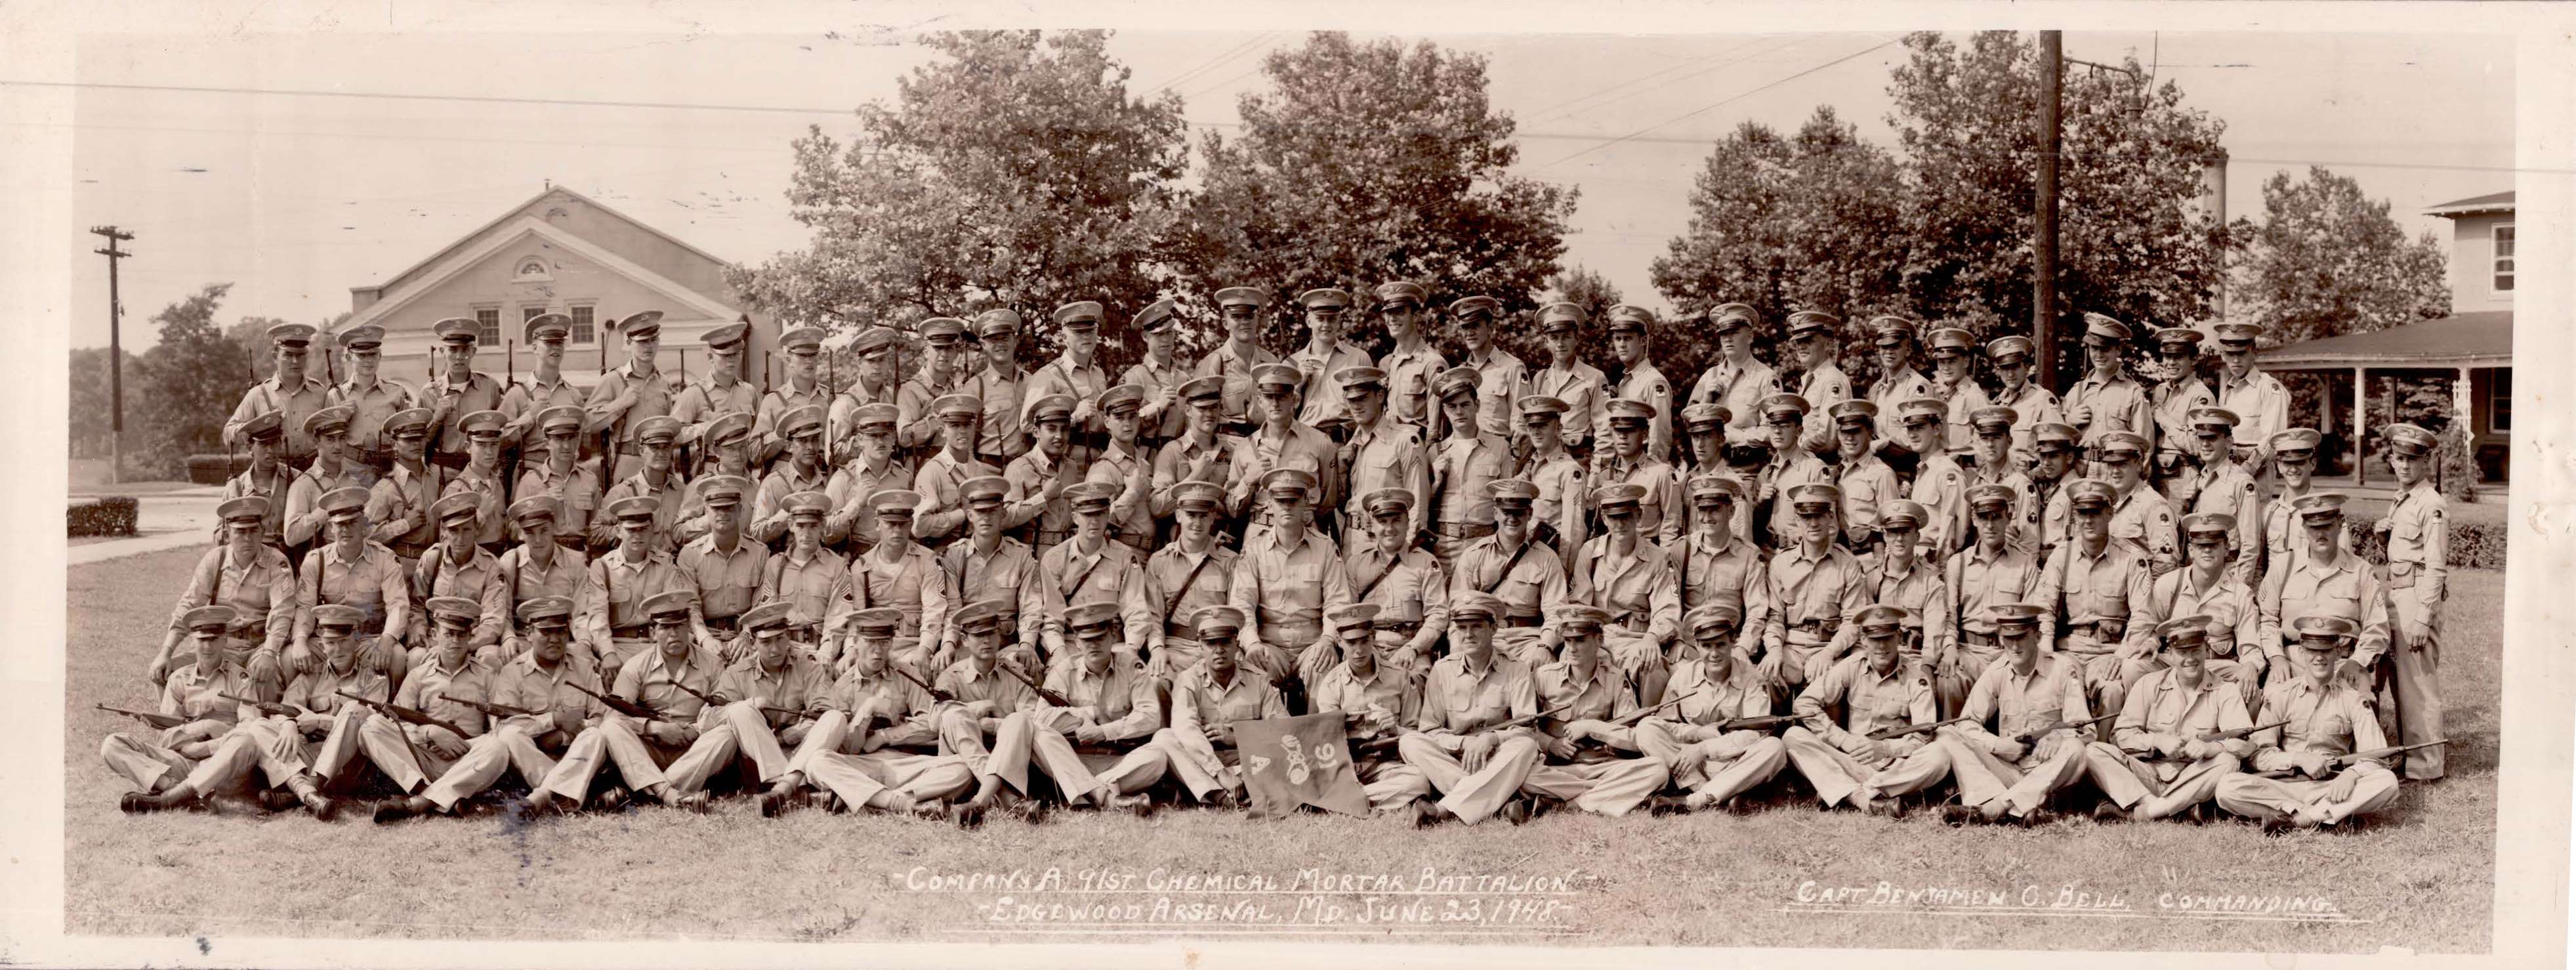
pixel 1186 583
pixel 1509 565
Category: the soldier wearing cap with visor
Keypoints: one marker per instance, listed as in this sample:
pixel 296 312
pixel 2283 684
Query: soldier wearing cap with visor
pixel 1476 769
pixel 2140 515
pixel 556 475
pixel 803 387
pixel 1629 460
pixel 544 389
pixel 2258 398
pixel 1864 478
pixel 1075 372
pixel 2022 385
pixel 2093 584
pixel 1463 465
pixel 2027 694
pixel 805 470
pixel 627 396
pixel 1738 380
pixel 1813 587
pixel 667 759
pixel 2176 394
pixel 458 567
pixel 657 478
pixel 1905 576
pixel 1704 447
pixel 947 360
pixel 2418 538
pixel 251 577
pixel 862 747
pixel 1404 584
pixel 609 621
pixel 1587 762
pixel 332 469
pixel 2206 586
pixel 1040 478
pixel 160 760
pixel 1160 417
pixel 532 681
pixel 1091 566
pixel 1184 577
pixel 398 504
pixel 2222 486
pixel 237 740
pixel 1106 730
pixel 1989 459
pixel 724 567
pixel 1199 454
pixel 484 478
pixel 1898 381
pixel 809 577
pixel 1990 574
pixel 2045 516
pixel 348 569
pixel 2294 457
pixel 1631 329
pixel 1324 355
pixel 874 466
pixel 1815 343
pixel 2328 717
pixel 1499 376
pixel 1954 380
pixel 371 396
pixel 1717 564
pixel 1284 583
pixel 2108 400
pixel 1413 363
pixel 1000 387
pixel 943 516
pixel 1876 690
pixel 1575 385
pixel 1124 465
pixel 1713 688
pixel 1378 695
pixel 722 390
pixel 1790 468
pixel 900 573
pixel 724 450
pixel 1383 452
pixel 2328 580
pixel 1235 360
pixel 1207 700
pixel 1564 492
pixel 1521 574
pixel 1939 484
pixel 2160 761
pixel 989 567
pixel 1283 442
pixel 267 478
pixel 538 566
pixel 290 392
pixel 875 350
pixel 1630 580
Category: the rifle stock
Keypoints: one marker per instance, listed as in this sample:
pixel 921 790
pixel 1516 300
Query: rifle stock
pixel 162 721
pixel 622 705
pixel 492 710
pixel 265 707
pixel 1763 723
pixel 1889 734
pixel 2341 762
pixel 2062 723
pixel 410 715
pixel 1052 698
pixel 936 694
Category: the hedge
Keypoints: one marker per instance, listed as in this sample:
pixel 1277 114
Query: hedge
pixel 2474 545
pixel 110 516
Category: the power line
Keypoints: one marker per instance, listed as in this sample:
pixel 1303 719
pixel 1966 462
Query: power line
pixel 1230 54
pixel 1552 111
pixel 1632 136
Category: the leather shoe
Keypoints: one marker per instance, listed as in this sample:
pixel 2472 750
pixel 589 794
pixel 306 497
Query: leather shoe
pixel 138 803
pixel 696 803
pixel 2110 812
pixel 968 815
pixel 614 797
pixel 279 800
pixel 1663 805
pixel 1516 811
pixel 772 802
pixel 2037 818
pixel 1427 813
pixel 394 810
pixel 1956 815
pixel 325 807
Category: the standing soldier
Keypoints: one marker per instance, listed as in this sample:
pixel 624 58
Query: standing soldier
pixel 2258 398
pixel 1403 584
pixel 1815 337
pixel 1575 385
pixel 1377 696
pixel 724 568
pixel 1500 377
pixel 2177 394
pixel 1898 381
pixel 1126 467
pixel 2026 694
pixel 2029 398
pixel 1455 742
pixel 999 436
pixel 1040 478
pixel 874 470
pixel 988 567
pixel 1563 494
pixel 556 476
pixel 160 765
pixel 1939 485
pixel 2419 541
pixel 874 351
pixel 1979 583
pixel 2047 519
pixel 1954 381
pixel 804 471
pixel 1876 692
pixel 2141 517
pixel 1199 454
pixel 1628 461
pixel 1235 360
pixel 1715 565
pixel 1704 428
pixel 1413 363
pixel 2328 718
pixel 483 477
pixel 537 568
pixel 1089 567
pixel 349 570
pixel 1184 578
pixel 2294 460
pixel 1630 580
pixel 1285 582
pixel 332 469
pixel 1790 467
pixel 1159 419
pixel 722 391
pixel 943 514
pixel 2092 585
pixel 655 478
pixel 543 390
pixel 1630 329
pixel 1708 692
pixel 1074 373
pixel 1324 355
pixel 268 478
pixel 2207 589
pixel 1522 575
pixel 1815 588
pixel 1738 380
pixel 725 445
pixel 812 579
pixel 375 398
pixel 609 621
pixel 1865 480
pixel 399 502
pixel 2158 763
pixel 457 567
pixel 1992 464
pixel 803 388
pixel 1383 452
pixel 456 391
pixel 1207 701
pixel 290 393
pixel 1282 442
pixel 2108 400
pixel 946 358
pixel 2227 488
pixel 1459 507
pixel 626 397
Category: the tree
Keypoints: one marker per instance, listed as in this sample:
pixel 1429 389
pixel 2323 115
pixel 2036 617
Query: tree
pixel 190 383
pixel 1365 163
pixel 2329 260
pixel 92 406
pixel 1019 173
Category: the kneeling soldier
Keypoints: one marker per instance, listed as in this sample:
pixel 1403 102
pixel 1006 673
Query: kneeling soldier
pixel 2020 742
pixel 1458 741
pixel 2181 732
pixel 1874 752
pixel 1206 701
pixel 1588 692
pixel 2327 722
pixel 537 713
pixel 1699 739
pixel 1377 695
pixel 672 682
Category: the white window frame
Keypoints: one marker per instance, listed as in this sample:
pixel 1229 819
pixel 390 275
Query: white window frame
pixel 2499 233
pixel 519 273
pixel 573 311
pixel 495 336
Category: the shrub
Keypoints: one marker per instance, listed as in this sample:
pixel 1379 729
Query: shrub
pixel 110 516
pixel 2474 545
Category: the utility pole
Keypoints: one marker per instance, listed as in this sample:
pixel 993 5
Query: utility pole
pixel 115 354
pixel 2043 244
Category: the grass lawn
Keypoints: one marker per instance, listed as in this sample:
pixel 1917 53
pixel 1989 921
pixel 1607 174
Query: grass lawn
pixel 2420 878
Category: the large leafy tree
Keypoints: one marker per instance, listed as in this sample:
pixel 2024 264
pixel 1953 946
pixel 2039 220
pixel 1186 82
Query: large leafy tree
pixel 92 406
pixel 191 380
pixel 1019 173
pixel 1364 163
pixel 2329 260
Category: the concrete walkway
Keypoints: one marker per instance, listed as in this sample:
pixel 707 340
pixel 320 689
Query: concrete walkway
pixel 175 520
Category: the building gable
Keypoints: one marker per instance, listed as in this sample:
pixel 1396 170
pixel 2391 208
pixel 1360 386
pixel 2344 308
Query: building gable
pixel 655 251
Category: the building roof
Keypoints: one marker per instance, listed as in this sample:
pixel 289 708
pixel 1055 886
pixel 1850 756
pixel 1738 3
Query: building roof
pixel 2475 205
pixel 512 212
pixel 2479 339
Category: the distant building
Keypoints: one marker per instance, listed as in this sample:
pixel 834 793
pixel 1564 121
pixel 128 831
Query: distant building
pixel 2473 346
pixel 559 252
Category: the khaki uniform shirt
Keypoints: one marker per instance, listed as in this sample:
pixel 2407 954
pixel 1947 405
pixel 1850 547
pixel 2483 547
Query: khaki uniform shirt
pixel 647 679
pixel 1638 589
pixel 1499 379
pixel 943 508
pixel 2346 589
pixel 1198 700
pixel 652 399
pixel 304 520
pixel 1320 396
pixel 373 404
pixel 2118 404
pixel 1741 389
pixel 2262 407
pixel 478 578
pixel 1408 388
pixel 1659 512
pixel 1580 388
pixel 1457 699
pixel 292 405
pixel 2419 543
pixel 2143 520
pixel 1977 582
pixel 399 496
pixel 1118 700
pixel 727 581
pixel 373 580
pixel 2331 719
pixel 2084 590
pixel 1460 470
pixel 1642 383
pixel 1534 587
pixel 2161 713
pixel 1389 455
pixel 1010 574
pixel 1236 367
pixel 1871 702
pixel 1807 588
pixel 1284 589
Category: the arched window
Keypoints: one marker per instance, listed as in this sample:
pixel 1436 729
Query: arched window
pixel 533 268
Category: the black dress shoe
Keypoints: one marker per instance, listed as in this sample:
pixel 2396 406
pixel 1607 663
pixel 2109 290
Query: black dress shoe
pixel 1223 798
pixel 1663 805
pixel 1035 811
pixel 1957 816
pixel 393 810
pixel 613 798
pixel 1427 813
pixel 1541 805
pixel 280 800
pixel 325 807
pixel 695 803
pixel 138 803
pixel 2037 818
pixel 772 802
pixel 968 816
pixel 1516 811
pixel 2110 812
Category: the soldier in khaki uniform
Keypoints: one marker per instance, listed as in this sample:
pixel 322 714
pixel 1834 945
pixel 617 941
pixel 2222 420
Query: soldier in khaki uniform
pixel 1814 588
pixel 991 567
pixel 1877 692
pixel 399 502
pixel 291 393
pixel 2419 542
pixel 332 469
pixel 2046 517
pixel 1405 584
pixel 267 479
pixel 1476 768
pixel 1988 576
pixel 2222 486
pixel 1631 329
pixel 459 568
pixel 943 516
pixel 626 396
pixel 1282 441
pixel 2175 395
pixel 1500 377
pixel 1075 373
pixel 1791 467
pixel 1521 573
pixel 556 474
pixel 724 567
pixel 1041 477
pixel 1630 460
pixel 1696 738
pixel 1089 567
pixel 1161 374
pixel 1631 581
pixel 2024 694
pixel 1898 381
pixel 1127 468
pixel 2015 369
pixel 1412 364
pixel 657 477
pixel 229 741
pixel 1460 507
pixel 898 573
pixel 1207 700
pixel 648 755
pixel 801 386
pixel 1284 583
pixel 1566 379
pixel 373 397
pixel 991 729
pixel 2107 399
pixel 1199 454
pixel 946 359
pixel 1815 339
pixel 721 391
pixel 1378 696
pixel 724 451
pixel 1115 710
pixel 1738 380
pixel 1939 485
pixel 1000 436
pixel 2294 456
pixel 484 478
pixel 1563 491
pixel 1234 361
pixel 544 389
pixel 2092 585
pixel 157 762
pixel 257 582
pixel 1323 355
pixel 1182 579
pixel 1954 367
pixel 812 579
pixel 534 681
pixel 1587 762
pixel 609 622
pixel 804 471
pixel 2140 516
pixel 349 570
pixel 1903 577
pixel 2255 396
pixel 537 568
pixel 2206 587
pixel 2329 581
pixel 862 748
pixel 875 384
pixel 2161 760
pixel 1865 480
pixel 1716 566
pixel 1704 426
pixel 2328 718
pixel 1383 452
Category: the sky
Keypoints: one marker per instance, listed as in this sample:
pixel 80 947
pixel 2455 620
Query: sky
pixel 295 198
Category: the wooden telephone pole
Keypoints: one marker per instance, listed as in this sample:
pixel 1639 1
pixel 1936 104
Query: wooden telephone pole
pixel 2043 243
pixel 115 353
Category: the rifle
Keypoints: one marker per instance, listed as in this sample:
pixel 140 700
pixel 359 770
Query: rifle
pixel 622 705
pixel 265 707
pixel 1889 734
pixel 1388 741
pixel 2346 761
pixel 162 721
pixel 1052 698
pixel 936 694
pixel 2228 735
pixel 1642 713
pixel 782 711
pixel 2027 737
pixel 1764 723
pixel 702 696
pixel 411 715
pixel 492 710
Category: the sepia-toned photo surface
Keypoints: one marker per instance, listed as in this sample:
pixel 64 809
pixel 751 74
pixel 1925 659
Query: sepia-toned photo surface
pixel 1205 487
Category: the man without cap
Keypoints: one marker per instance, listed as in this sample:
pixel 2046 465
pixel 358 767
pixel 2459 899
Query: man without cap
pixel 669 758
pixel 1790 468
pixel 2328 581
pixel 812 579
pixel 556 474
pixel 1587 761
pixel 1499 376
pixel 2205 587
pixel 1235 360
pixel 290 391
pixel 657 478
pixel 2140 515
pixel 1697 737
pixel 1564 492
pixel 2016 748
pixel 1106 728
pixel 457 567
pixel 1125 466
pixel 1284 583
pixel 2223 486
pixel 947 357
pixel 544 389
pixel 483 478
pixel 1040 478
pixel 609 622
pixel 1183 578
pixel 1990 574
pixel 1815 343
pixel 1412 364
pixel 2093 585
pixel 538 681
pixel 724 568
pixel 1864 478
pixel 1898 381
pixel 1521 574
pixel 1378 694
pixel 1714 565
pixel 1199 454
pixel 942 517
pixel 1814 588
pixel 1738 380
pixel 1160 373
pixel 2418 537
pixel 283 749
pixel 1939 485
pixel 538 567
pixel 1576 385
pixel 2327 717
pixel 1207 701
pixel 1457 742
pixel 333 468
pixel 1382 453
pixel 864 748
pixel 1404 584
pixel 267 478
pixel 721 391
pixel 1631 329
pixel 875 350
pixel 159 760
pixel 1464 465
pixel 627 396
pixel 2258 398
pixel 1629 460
pixel 1877 692
pixel 398 504
pixel 370 395
pixel 1324 355
pixel 1903 577
pixel 455 390
pixel 2023 386
pixel 875 466
pixel 1954 380
pixel 989 567
pixel 805 470
pixel 1630 580
pixel 2175 393
pixel 1282 442
pixel 2162 759
pixel 902 574
pixel 349 570
pixel 251 578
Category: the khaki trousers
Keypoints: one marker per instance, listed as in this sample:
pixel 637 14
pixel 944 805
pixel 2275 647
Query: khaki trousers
pixel 1472 797
pixel 2154 789
pixel 2357 791
pixel 1606 786
pixel 1721 767
pixel 2022 786
pixel 488 758
pixel 1838 774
